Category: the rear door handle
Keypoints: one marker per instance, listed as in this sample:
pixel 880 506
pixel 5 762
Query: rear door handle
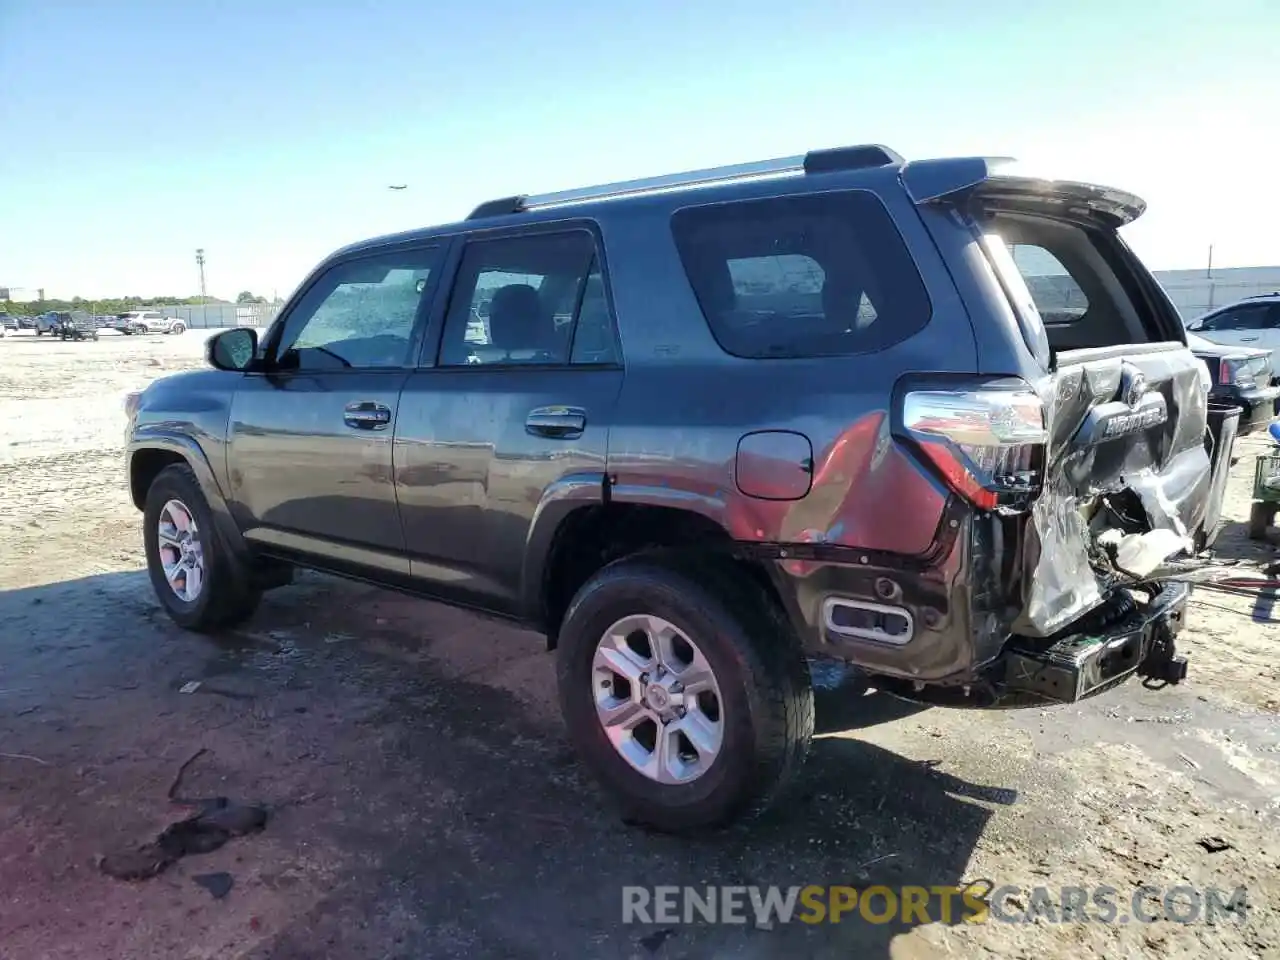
pixel 366 415
pixel 563 423
pixel 1248 339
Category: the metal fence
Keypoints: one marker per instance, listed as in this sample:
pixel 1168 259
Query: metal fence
pixel 1193 292
pixel 1196 295
pixel 213 315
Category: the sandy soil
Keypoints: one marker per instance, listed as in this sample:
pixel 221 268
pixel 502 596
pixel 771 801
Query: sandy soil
pixel 424 802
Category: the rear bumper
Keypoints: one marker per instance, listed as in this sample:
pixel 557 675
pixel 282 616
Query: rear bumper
pixel 1083 664
pixel 1072 666
pixel 940 631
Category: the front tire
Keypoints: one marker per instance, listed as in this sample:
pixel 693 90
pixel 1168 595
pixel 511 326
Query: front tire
pixel 684 691
pixel 197 580
pixel 178 328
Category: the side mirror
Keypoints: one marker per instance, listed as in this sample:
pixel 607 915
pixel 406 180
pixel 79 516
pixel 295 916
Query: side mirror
pixel 1195 326
pixel 233 349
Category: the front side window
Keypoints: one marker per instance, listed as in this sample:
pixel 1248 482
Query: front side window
pixel 518 300
pixel 802 276
pixel 359 314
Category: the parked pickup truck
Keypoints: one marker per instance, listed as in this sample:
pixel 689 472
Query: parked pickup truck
pixel 802 409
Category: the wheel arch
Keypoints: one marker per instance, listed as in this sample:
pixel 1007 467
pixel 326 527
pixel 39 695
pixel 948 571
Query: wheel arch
pixel 588 537
pixel 150 455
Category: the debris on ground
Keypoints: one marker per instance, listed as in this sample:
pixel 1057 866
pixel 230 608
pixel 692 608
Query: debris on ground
pixel 1214 844
pixel 218 884
pixel 24 756
pixel 217 822
pixel 653 941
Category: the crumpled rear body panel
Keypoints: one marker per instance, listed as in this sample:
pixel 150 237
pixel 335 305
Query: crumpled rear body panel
pixel 1099 443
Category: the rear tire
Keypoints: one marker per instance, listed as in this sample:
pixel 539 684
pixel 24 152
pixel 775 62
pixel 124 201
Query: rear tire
pixel 764 701
pixel 223 595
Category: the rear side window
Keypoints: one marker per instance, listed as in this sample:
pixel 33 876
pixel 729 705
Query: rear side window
pixel 803 276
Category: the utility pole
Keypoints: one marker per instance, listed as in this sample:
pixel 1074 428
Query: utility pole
pixel 1209 272
pixel 200 265
pixel 204 310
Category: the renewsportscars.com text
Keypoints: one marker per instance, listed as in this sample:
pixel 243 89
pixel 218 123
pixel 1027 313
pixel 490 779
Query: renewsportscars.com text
pixel 979 902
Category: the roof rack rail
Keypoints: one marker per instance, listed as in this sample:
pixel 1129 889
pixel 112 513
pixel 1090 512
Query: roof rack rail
pixel 815 161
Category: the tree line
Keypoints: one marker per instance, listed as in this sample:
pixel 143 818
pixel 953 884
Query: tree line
pixel 114 306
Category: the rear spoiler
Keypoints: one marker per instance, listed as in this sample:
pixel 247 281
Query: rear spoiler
pixel 937 181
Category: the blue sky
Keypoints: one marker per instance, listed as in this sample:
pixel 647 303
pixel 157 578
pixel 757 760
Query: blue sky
pixel 132 133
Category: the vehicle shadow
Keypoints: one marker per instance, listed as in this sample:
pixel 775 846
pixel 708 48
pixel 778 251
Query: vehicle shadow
pixel 843 701
pixel 1234 543
pixel 462 822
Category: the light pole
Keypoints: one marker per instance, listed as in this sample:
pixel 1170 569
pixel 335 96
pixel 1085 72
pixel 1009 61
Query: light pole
pixel 204 313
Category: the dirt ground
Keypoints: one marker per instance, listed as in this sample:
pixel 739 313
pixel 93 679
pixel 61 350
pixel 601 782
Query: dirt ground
pixel 424 802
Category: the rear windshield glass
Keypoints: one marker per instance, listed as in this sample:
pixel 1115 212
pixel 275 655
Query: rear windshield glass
pixel 802 276
pixel 1084 289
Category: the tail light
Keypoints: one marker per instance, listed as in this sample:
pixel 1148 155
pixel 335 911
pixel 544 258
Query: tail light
pixel 988 442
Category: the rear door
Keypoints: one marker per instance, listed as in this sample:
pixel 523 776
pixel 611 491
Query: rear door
pixel 310 439
pixel 513 413
pixel 1125 400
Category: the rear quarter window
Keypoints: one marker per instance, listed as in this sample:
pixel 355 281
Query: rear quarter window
pixel 803 276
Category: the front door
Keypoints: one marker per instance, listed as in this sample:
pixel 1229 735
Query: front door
pixel 514 414
pixel 311 437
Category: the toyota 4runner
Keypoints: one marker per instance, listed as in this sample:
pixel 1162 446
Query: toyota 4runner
pixel 929 418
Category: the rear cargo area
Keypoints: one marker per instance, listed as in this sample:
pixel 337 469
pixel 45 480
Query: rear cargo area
pixel 1126 481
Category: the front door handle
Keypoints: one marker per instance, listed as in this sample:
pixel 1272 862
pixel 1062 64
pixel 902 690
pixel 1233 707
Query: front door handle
pixel 1248 339
pixel 366 415
pixel 562 423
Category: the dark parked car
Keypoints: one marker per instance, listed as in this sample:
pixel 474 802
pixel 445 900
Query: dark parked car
pixel 8 323
pixel 707 426
pixel 1243 377
pixel 26 323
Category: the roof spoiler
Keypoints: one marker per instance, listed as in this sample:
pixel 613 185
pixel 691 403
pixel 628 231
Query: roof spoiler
pixel 929 180
pixel 932 181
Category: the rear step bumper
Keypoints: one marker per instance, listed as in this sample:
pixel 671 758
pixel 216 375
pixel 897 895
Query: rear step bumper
pixel 1081 665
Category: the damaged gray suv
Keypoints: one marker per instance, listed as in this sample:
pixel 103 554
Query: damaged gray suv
pixel 929 418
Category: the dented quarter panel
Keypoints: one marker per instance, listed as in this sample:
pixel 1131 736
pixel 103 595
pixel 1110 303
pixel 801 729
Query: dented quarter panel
pixel 867 492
